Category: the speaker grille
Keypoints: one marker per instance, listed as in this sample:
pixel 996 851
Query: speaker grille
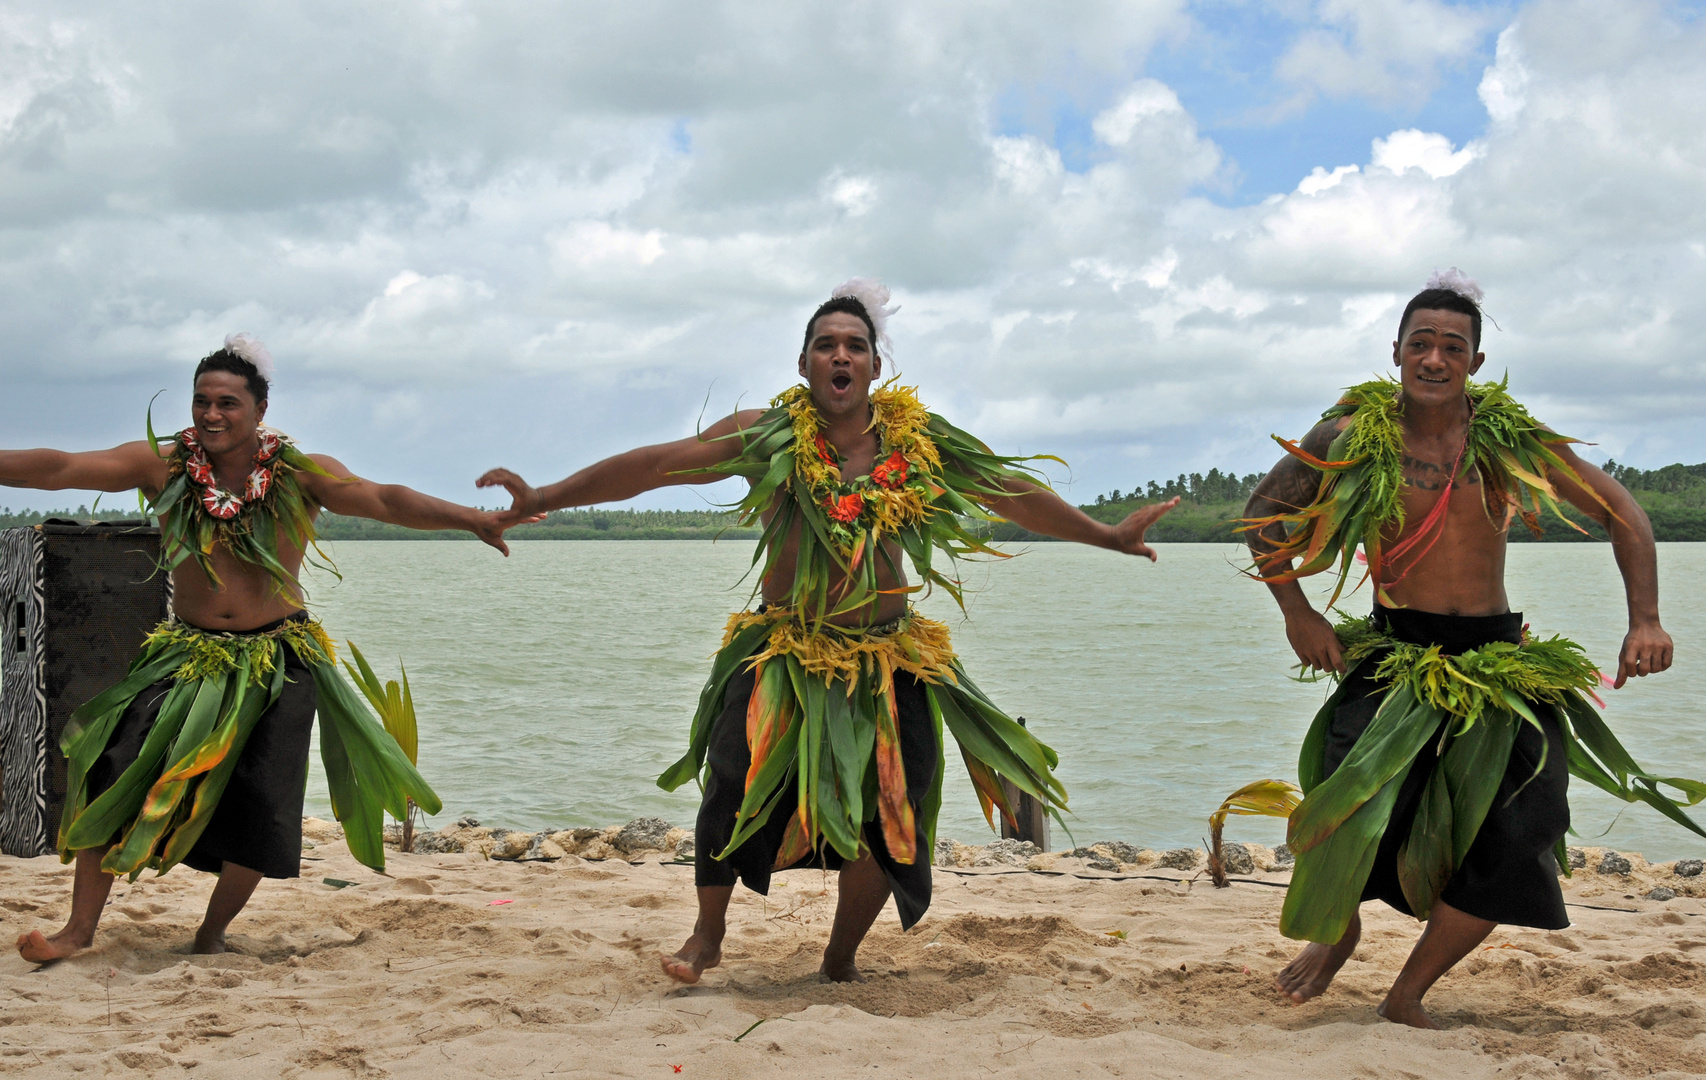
pixel 90 598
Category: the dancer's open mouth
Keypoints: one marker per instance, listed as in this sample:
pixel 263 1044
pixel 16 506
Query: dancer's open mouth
pixel 841 380
pixel 1439 382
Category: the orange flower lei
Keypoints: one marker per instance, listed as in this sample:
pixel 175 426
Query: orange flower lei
pixel 898 490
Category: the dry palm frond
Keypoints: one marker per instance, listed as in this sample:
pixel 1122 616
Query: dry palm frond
pixel 1264 798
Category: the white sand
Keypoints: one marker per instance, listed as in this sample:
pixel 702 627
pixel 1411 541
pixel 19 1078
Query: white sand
pixel 1010 974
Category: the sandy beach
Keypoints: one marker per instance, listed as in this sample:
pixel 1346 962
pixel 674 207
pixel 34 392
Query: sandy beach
pixel 456 964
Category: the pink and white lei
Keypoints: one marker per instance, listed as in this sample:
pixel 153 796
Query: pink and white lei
pixel 220 503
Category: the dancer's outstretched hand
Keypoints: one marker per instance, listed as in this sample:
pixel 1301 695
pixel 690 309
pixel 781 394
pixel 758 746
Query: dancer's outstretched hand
pixel 492 524
pixel 1128 534
pixel 1647 650
pixel 527 499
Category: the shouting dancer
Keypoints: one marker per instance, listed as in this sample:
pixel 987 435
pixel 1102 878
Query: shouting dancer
pixel 1435 774
pixel 819 732
pixel 200 754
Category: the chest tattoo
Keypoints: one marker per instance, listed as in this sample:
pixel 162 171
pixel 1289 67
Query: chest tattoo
pixel 1431 475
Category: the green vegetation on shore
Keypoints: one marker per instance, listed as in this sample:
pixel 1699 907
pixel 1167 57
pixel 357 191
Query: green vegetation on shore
pixel 566 525
pixel 1208 503
pixel 1674 498
pixel 558 525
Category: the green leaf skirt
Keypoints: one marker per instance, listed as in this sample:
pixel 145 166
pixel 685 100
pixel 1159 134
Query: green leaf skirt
pixel 1468 708
pixel 821 726
pixel 221 685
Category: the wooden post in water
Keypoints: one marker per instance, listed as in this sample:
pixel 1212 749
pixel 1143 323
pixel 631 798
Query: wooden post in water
pixel 1033 821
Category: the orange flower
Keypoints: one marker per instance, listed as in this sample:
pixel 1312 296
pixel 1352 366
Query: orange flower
pixel 824 452
pixel 891 473
pixel 845 508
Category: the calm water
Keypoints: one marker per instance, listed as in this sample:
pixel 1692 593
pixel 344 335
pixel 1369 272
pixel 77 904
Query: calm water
pixel 553 687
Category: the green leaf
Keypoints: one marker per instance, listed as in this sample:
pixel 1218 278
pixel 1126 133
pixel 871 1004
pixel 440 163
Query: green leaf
pixel 1326 885
pixel 1311 759
pixel 1400 728
pixel 100 821
pixel 247 710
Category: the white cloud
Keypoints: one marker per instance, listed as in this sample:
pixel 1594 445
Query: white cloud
pixel 1320 179
pixel 1428 151
pixel 1504 84
pixel 498 221
pixel 1026 163
pixel 854 194
pixel 591 243
pixel 1159 271
pixel 1384 50
pixel 1147 98
pixel 56 79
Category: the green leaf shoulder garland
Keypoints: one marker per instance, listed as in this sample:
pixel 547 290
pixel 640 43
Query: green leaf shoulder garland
pixel 821 722
pixel 223 684
pixel 1471 703
pixel 1361 492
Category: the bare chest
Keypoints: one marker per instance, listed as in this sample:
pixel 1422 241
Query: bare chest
pixel 858 456
pixel 1428 478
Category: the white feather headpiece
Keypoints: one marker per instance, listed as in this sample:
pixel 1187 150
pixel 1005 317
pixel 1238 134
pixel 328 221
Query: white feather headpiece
pixel 248 347
pixel 874 295
pixel 1455 280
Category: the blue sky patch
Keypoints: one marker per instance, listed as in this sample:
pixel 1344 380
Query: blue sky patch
pixel 1225 76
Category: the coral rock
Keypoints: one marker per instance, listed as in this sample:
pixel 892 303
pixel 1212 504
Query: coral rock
pixel 1007 853
pixel 1613 863
pixel 944 854
pixel 643 834
pixel 1236 858
pixel 1179 859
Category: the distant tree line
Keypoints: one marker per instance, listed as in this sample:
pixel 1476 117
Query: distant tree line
pixel 1214 487
pixel 558 525
pixel 1670 480
pixel 10 519
pixel 565 525
pixel 1673 496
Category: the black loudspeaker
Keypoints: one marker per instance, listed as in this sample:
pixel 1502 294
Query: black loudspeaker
pixel 78 600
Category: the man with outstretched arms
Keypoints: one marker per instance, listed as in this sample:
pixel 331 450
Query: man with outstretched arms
pixel 1435 774
pixel 819 732
pixel 200 754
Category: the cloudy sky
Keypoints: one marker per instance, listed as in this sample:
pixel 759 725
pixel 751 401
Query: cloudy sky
pixel 1142 234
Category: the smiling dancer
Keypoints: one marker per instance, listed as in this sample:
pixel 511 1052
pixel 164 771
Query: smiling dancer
pixel 819 732
pixel 1435 775
pixel 200 754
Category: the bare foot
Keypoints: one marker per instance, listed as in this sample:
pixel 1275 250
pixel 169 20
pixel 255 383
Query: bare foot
pixel 693 959
pixel 38 948
pixel 1312 970
pixel 1409 1013
pixel 209 942
pixel 841 972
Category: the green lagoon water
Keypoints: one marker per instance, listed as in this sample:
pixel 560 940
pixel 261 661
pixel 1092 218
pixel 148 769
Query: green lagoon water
pixel 554 686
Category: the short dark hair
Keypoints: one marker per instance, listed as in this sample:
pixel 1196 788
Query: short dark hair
pixel 1444 300
pixel 852 306
pixel 226 360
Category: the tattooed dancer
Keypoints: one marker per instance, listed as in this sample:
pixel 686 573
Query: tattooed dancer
pixel 1435 775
